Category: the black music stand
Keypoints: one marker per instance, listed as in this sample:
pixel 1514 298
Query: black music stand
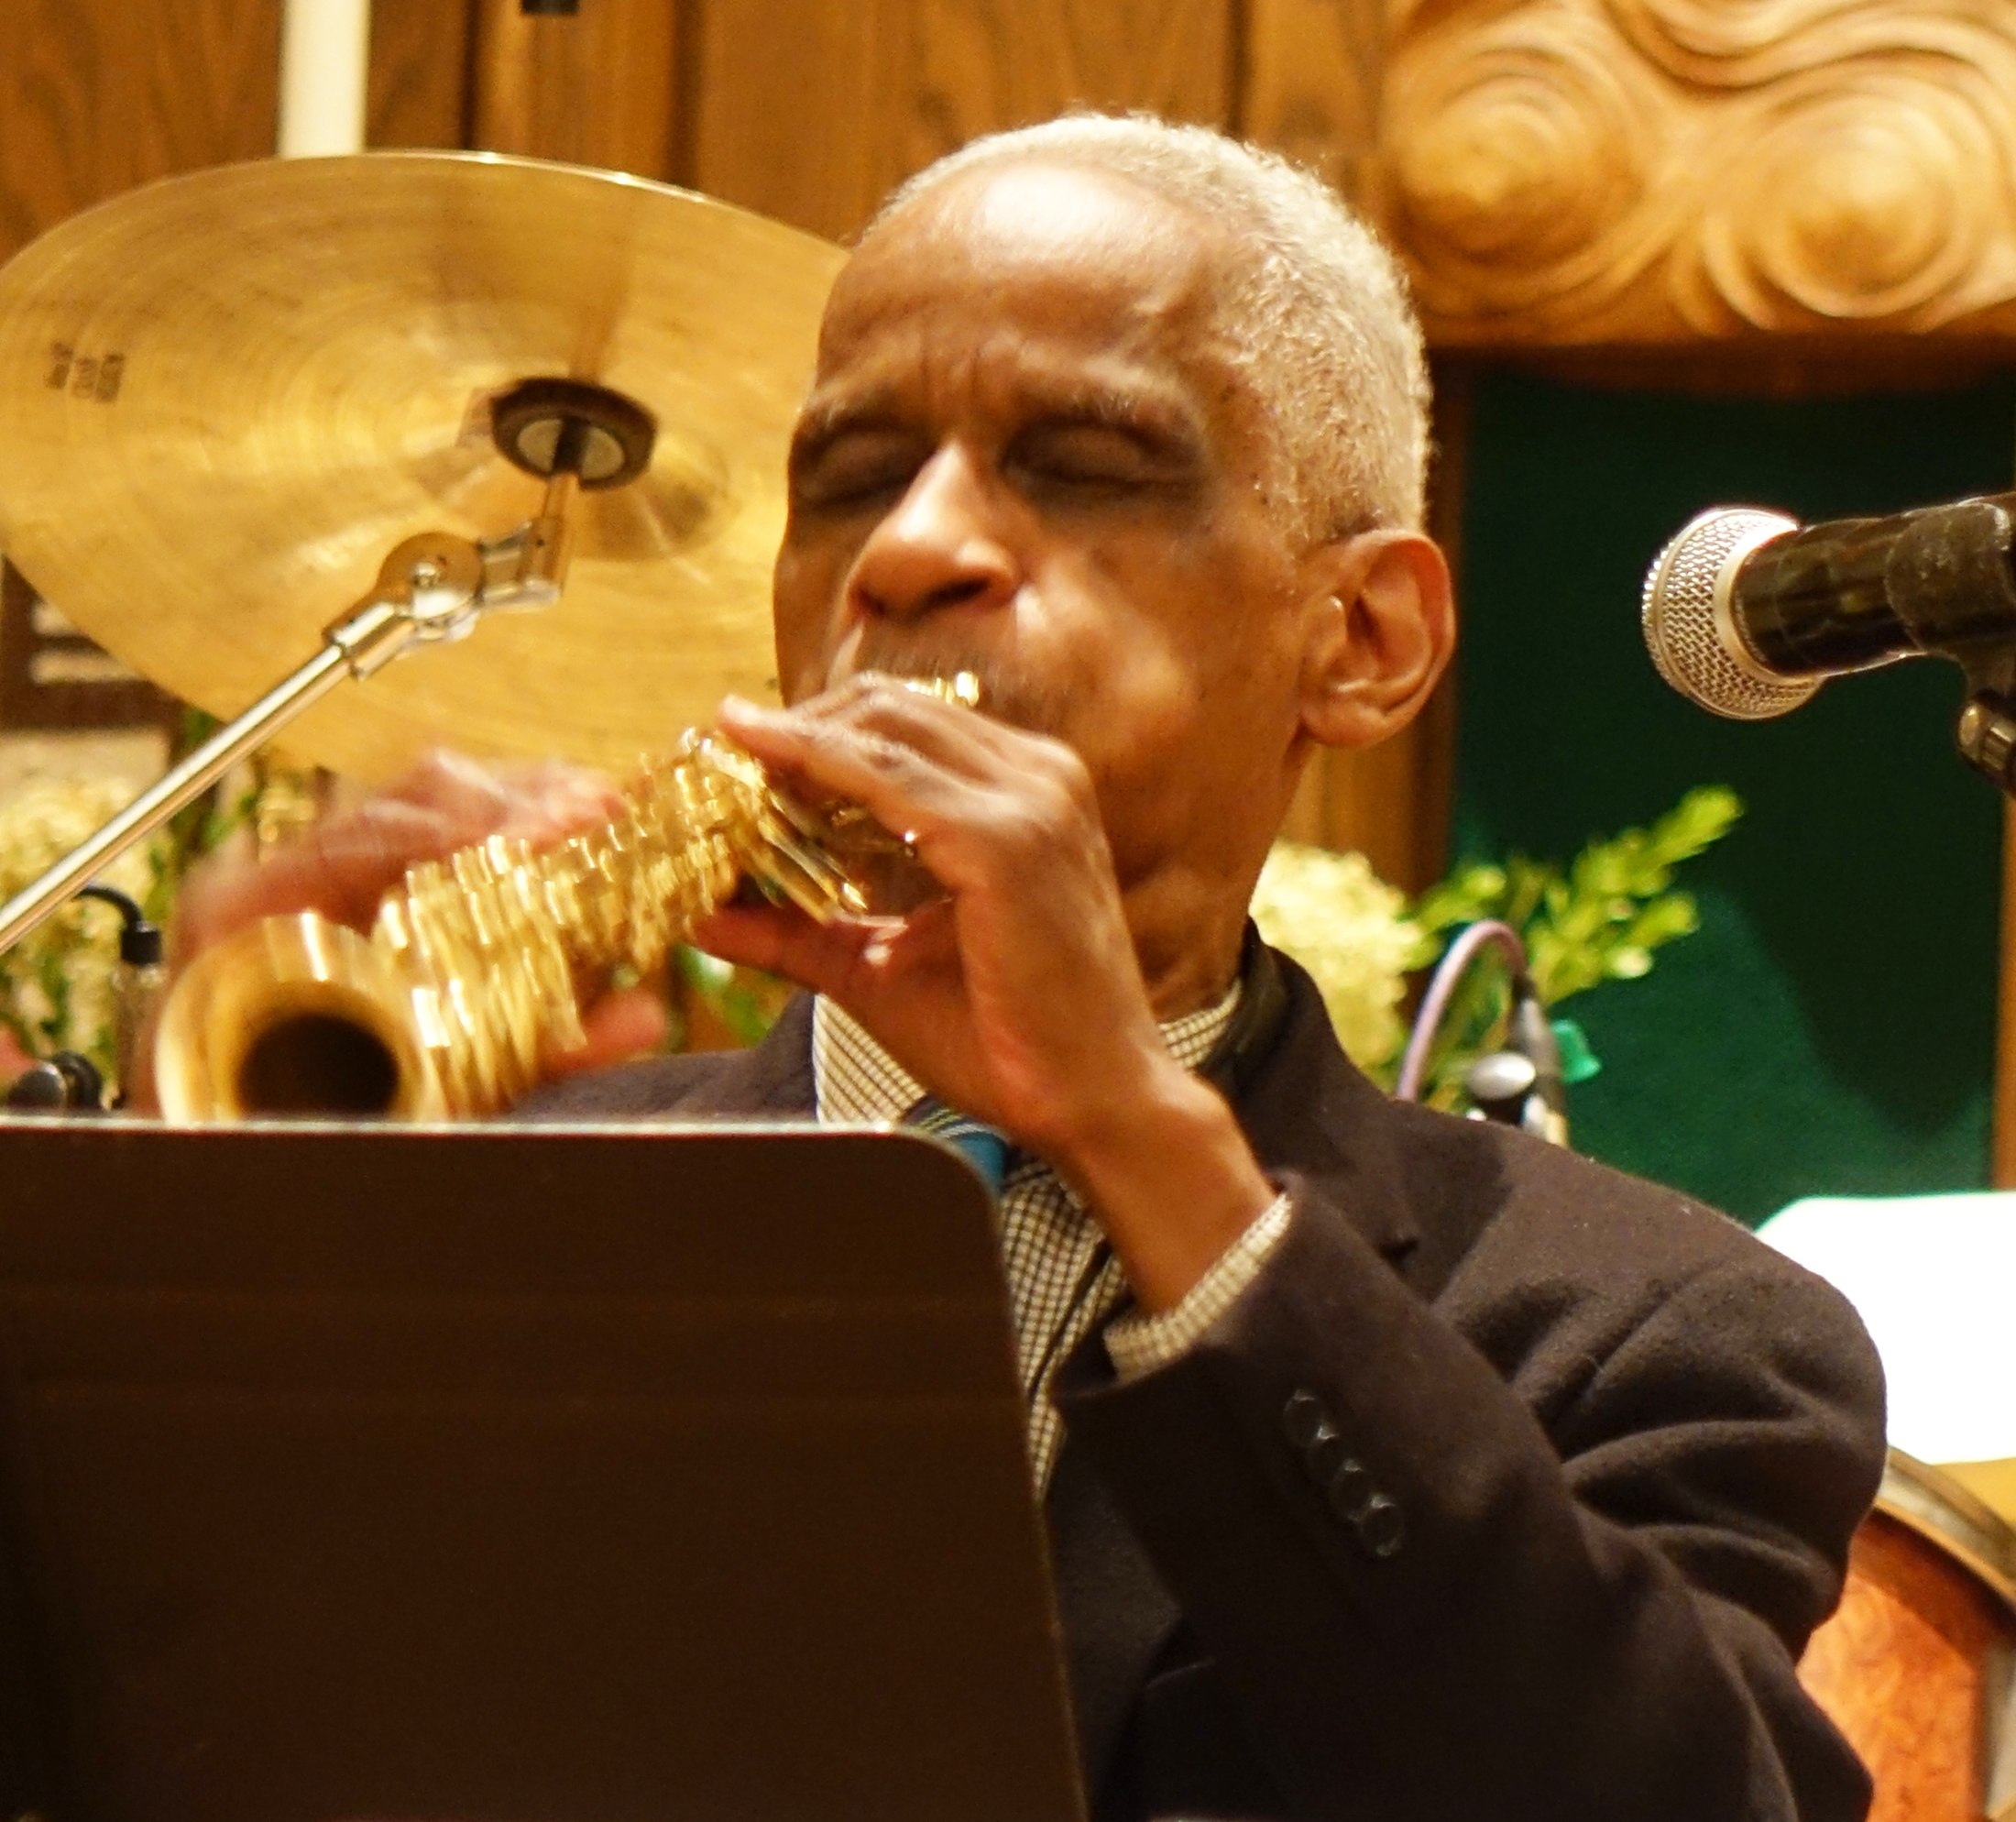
pixel 515 1475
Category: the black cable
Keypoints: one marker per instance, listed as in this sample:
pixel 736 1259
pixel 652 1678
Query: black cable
pixel 139 941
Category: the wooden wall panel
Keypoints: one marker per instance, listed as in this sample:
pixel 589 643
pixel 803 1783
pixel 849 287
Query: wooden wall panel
pixel 599 87
pixel 99 95
pixel 787 99
pixel 51 677
pixel 1312 73
pixel 1670 173
pixel 208 87
pixel 811 113
pixel 421 58
pixel 973 68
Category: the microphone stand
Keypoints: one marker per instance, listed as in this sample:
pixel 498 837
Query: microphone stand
pixel 1986 736
pixel 430 590
pixel 1518 1085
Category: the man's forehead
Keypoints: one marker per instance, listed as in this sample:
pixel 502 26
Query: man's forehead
pixel 1010 258
pixel 1038 209
pixel 1092 235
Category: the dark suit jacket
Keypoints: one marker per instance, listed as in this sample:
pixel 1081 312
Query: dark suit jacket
pixel 1511 1489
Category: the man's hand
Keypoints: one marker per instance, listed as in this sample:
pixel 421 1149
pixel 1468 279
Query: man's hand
pixel 346 863
pixel 343 864
pixel 1017 997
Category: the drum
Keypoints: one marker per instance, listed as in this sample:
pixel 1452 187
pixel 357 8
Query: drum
pixel 1914 1668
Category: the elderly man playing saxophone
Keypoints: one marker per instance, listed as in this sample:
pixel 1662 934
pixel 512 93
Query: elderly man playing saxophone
pixel 1394 1466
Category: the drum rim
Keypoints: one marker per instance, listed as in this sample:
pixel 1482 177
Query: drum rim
pixel 1947 1514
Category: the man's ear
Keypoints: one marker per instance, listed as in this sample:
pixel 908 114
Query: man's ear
pixel 1381 627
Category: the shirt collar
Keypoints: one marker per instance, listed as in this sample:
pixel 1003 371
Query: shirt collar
pixel 858 1081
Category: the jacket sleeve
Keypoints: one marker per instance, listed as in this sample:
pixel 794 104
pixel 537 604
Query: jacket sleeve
pixel 1549 1547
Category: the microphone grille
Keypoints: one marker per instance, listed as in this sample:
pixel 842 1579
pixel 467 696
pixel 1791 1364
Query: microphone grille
pixel 1687 626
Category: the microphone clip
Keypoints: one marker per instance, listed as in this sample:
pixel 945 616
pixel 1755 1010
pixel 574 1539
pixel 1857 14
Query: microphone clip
pixel 1987 734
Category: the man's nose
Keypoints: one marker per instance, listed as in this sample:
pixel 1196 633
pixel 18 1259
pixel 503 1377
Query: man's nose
pixel 942 546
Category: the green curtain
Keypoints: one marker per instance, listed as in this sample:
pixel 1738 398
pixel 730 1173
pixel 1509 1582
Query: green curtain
pixel 1831 1026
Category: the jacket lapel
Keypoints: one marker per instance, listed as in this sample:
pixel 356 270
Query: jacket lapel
pixel 1113 1608
pixel 1306 1109
pixel 781 1063
pixel 774 1077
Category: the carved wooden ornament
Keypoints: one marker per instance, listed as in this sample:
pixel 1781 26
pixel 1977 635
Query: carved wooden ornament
pixel 1578 171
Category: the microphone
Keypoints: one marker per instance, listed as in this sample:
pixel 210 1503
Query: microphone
pixel 1746 614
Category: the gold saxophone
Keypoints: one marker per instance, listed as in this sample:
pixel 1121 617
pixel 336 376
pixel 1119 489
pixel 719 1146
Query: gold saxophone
pixel 477 964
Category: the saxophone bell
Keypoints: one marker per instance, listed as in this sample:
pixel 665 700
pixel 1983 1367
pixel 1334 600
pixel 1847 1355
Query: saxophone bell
pixel 293 1015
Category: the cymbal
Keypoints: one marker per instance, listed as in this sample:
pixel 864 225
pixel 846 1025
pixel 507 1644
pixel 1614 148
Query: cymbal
pixel 226 397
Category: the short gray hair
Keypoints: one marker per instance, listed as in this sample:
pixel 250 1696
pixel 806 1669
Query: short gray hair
pixel 1317 308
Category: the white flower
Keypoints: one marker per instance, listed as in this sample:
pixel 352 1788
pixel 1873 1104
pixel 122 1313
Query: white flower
pixel 56 983
pixel 1347 926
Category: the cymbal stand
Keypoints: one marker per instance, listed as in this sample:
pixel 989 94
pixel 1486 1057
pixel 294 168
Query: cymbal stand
pixel 431 590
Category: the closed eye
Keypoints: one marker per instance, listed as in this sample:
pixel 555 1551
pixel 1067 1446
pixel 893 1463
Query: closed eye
pixel 856 466
pixel 1078 453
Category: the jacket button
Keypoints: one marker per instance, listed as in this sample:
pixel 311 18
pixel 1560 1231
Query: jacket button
pixel 1304 1418
pixel 1325 1455
pixel 1381 1528
pixel 1351 1492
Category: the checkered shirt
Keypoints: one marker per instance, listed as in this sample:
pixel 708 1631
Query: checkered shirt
pixel 1063 1279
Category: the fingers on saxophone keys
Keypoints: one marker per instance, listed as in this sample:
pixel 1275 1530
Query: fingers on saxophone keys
pixel 878 712
pixel 782 940
pixel 840 756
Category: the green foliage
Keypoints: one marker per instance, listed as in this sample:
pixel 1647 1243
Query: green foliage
pixel 55 985
pixel 745 1000
pixel 1599 918
pixel 206 822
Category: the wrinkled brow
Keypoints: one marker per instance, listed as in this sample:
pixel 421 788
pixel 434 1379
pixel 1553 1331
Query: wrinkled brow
pixel 1151 412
